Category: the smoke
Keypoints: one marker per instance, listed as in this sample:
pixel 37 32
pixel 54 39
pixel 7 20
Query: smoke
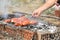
pixel 4 7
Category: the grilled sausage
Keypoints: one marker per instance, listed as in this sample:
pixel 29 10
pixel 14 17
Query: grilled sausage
pixel 26 22
pixel 7 20
pixel 21 21
pixel 33 22
pixel 14 20
pixel 18 23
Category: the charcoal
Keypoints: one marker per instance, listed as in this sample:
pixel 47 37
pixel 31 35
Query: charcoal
pixel 11 23
pixel 51 36
pixel 1 18
pixel 11 16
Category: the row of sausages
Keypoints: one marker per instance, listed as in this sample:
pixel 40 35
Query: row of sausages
pixel 20 21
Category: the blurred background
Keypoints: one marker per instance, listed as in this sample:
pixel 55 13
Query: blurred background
pixel 26 6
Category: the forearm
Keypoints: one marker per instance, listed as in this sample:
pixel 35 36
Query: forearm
pixel 48 4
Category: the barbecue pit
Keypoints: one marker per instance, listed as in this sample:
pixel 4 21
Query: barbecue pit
pixel 40 31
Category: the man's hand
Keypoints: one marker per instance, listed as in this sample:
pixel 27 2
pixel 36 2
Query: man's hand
pixel 36 13
pixel 42 8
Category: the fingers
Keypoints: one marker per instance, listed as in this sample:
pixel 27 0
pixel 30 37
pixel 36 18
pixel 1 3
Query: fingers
pixel 36 14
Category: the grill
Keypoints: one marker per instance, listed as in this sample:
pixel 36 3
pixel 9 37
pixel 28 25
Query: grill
pixel 40 31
